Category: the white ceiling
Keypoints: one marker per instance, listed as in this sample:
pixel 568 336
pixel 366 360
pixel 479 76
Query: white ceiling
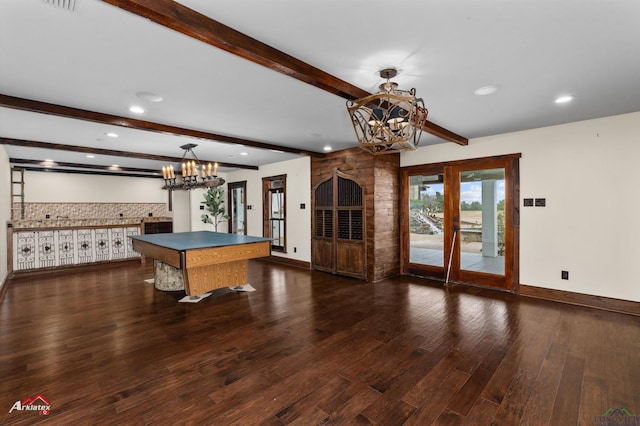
pixel 98 57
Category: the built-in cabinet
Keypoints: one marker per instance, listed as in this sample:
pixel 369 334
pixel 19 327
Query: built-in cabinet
pixel 51 248
pixel 355 222
pixel 158 227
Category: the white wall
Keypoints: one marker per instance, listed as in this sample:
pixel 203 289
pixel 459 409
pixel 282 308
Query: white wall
pixel 585 170
pixel 41 187
pixel 5 210
pixel 298 192
pixel 181 211
pixel 196 223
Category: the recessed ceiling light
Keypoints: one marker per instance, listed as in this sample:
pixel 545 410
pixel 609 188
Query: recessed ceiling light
pixel 136 109
pixel 148 96
pixel 487 90
pixel 112 134
pixel 277 151
pixel 327 148
pixel 244 153
pixel 91 156
pixel 563 99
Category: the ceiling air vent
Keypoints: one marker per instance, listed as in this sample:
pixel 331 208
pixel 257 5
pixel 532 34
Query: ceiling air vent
pixel 69 5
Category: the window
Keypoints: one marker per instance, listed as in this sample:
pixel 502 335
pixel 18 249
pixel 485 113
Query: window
pixel 274 191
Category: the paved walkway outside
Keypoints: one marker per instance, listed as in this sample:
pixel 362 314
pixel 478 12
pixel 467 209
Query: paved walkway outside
pixel 468 261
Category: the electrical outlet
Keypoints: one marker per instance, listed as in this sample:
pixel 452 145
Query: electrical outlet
pixel 565 275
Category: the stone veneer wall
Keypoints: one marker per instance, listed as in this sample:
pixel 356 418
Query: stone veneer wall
pixel 38 211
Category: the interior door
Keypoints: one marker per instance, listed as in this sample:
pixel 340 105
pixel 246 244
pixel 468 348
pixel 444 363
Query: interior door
pixel 238 208
pixel 460 222
pixel 338 242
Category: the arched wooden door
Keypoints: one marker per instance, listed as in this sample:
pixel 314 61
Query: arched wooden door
pixel 338 242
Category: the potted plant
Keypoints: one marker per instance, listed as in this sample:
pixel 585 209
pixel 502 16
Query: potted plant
pixel 214 202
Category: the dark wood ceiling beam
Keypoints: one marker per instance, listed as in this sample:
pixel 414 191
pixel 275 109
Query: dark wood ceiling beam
pixel 83 171
pixel 58 164
pixel 440 131
pixel 196 25
pixel 187 21
pixel 132 123
pixel 101 151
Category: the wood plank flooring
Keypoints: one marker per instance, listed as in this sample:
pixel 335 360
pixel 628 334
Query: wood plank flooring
pixel 308 348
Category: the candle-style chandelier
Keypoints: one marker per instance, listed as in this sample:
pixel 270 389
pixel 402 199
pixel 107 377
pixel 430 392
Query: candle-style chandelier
pixel 385 122
pixel 193 174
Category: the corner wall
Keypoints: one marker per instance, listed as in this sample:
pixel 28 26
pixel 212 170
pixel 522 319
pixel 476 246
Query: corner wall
pixel 586 172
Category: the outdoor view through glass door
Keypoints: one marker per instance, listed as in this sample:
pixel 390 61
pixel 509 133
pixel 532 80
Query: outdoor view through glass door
pixel 426 220
pixel 461 221
pixel 481 213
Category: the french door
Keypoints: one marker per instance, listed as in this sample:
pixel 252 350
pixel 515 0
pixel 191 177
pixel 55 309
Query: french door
pixel 460 221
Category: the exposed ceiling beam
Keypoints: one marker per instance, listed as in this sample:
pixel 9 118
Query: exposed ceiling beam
pixel 196 25
pixel 83 172
pixel 132 123
pixel 441 132
pixel 59 164
pixel 101 151
pixel 187 21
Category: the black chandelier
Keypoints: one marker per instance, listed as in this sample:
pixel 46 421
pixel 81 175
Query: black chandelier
pixel 193 173
pixel 385 122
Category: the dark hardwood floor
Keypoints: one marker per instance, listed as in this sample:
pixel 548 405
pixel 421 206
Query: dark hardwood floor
pixel 104 347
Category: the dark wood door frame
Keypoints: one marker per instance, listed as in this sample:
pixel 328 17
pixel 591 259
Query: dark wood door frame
pixel 510 163
pixel 230 187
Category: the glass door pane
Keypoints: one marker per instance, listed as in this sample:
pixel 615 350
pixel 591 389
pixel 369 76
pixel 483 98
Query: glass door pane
pixel 237 208
pixel 238 211
pixel 426 219
pixel 482 231
pixel 277 218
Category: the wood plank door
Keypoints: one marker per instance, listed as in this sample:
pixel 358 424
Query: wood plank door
pixel 338 242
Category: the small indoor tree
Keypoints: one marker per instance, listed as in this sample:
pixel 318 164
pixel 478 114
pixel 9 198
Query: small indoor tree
pixel 214 205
